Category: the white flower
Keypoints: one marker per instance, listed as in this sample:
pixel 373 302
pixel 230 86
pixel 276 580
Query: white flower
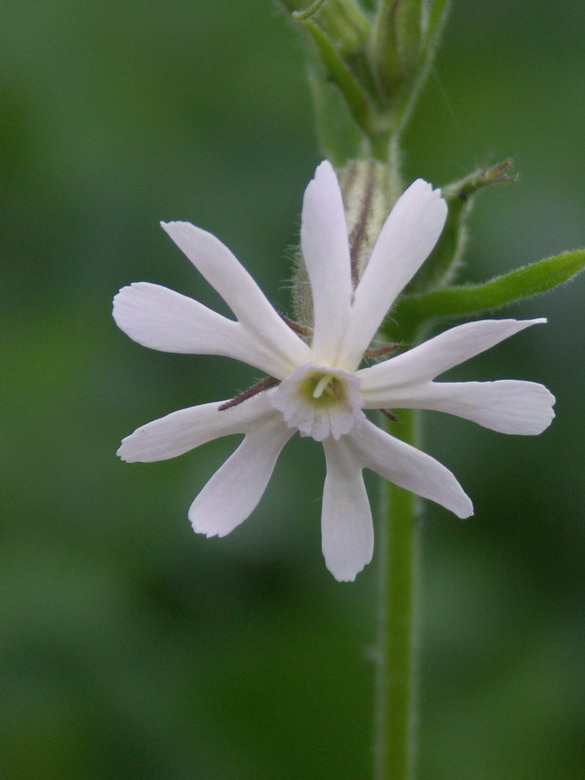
pixel 319 390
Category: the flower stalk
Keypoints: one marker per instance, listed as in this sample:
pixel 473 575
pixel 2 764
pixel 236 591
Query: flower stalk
pixel 395 694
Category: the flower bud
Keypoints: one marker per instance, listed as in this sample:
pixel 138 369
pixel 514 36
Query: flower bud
pixel 377 59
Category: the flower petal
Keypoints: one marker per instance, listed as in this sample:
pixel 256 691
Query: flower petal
pixel 325 246
pixel 436 355
pixel 405 241
pixel 186 429
pixel 409 468
pixel 236 488
pixel 241 293
pixel 162 319
pixel 506 406
pixel 347 531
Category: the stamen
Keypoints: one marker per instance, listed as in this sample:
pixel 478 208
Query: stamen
pixel 377 352
pixel 300 330
pixel 263 384
pixel 321 385
pixel 319 401
pixel 387 413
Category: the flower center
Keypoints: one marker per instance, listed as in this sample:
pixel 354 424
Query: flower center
pixel 320 401
pixel 323 389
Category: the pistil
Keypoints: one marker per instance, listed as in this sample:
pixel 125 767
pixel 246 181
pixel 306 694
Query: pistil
pixel 321 385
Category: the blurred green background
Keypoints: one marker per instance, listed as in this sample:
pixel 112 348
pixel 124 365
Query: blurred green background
pixel 129 647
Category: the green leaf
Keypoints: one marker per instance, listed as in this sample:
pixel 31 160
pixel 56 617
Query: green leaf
pixel 413 311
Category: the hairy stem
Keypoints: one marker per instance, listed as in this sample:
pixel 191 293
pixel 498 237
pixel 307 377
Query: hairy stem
pixel 394 737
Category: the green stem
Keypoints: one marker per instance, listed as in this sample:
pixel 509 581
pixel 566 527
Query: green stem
pixel 395 679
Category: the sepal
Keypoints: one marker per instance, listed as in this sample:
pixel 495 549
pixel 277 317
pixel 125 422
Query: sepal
pixel 441 268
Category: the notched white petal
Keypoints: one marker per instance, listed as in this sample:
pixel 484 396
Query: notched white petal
pixel 437 355
pixel 507 406
pixel 405 241
pixel 409 468
pixel 165 320
pixel 186 429
pixel 347 531
pixel 325 248
pixel 162 319
pixel 236 488
pixel 241 293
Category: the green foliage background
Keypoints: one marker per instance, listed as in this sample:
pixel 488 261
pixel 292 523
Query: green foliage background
pixel 131 648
